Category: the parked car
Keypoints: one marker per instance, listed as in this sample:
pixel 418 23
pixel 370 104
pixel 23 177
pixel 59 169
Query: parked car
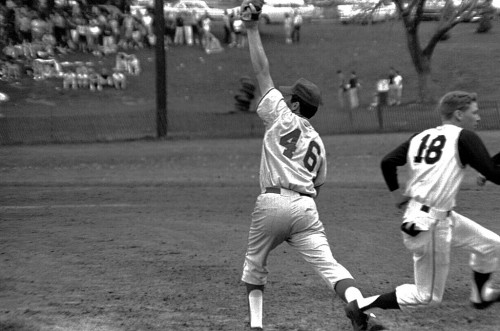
pixel 496 5
pixel 273 11
pixel 366 12
pixel 433 10
pixel 199 6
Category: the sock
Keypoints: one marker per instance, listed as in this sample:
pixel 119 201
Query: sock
pixel 479 280
pixel 353 293
pixel 384 301
pixel 347 290
pixel 255 304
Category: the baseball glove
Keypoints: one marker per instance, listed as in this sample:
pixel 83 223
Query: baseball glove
pixel 251 9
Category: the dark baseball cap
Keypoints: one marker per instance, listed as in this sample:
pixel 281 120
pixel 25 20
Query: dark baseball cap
pixel 305 90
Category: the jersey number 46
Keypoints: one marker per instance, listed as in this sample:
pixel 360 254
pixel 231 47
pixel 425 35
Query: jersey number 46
pixel 289 141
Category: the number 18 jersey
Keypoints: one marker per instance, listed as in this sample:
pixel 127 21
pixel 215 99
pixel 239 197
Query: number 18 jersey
pixel 293 155
pixel 435 168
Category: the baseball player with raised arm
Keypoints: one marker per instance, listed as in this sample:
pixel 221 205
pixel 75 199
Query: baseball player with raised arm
pixel 292 169
pixel 436 159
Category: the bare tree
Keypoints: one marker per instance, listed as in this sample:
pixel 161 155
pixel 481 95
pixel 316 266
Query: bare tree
pixel 411 13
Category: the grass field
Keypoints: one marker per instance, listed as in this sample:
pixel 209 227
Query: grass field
pixel 207 83
pixel 151 235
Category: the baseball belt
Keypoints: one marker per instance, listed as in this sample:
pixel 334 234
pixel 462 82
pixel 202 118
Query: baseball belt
pixel 285 192
pixel 433 212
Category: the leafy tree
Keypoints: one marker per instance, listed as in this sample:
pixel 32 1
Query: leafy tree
pixel 411 13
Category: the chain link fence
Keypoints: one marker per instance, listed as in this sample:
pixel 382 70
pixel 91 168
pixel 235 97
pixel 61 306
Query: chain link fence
pixel 140 124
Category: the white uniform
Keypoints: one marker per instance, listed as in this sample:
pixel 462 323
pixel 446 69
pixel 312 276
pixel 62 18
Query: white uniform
pixel 435 177
pixel 293 162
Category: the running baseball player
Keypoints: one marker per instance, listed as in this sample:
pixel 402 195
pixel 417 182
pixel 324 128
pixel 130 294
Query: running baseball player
pixel 437 158
pixel 292 169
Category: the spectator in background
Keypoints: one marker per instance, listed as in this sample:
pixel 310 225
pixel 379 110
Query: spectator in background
pixel 126 39
pixel 227 26
pixel 395 87
pixel 170 25
pixel 138 35
pixel 239 38
pixel 114 25
pixel 288 26
pixel 73 33
pixel 60 28
pixel 108 41
pixel 147 21
pixel 297 24
pixel 179 30
pixel 382 94
pixel 353 91
pixel 392 88
pixel 81 29
pixel 189 21
pixel 38 27
pixel 197 28
pixel 24 25
pixel 93 35
pixel 398 83
pixel 205 29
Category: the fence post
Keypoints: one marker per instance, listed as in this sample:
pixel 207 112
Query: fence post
pixel 380 117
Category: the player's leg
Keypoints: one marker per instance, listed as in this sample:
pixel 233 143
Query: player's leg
pixel 309 239
pixel 431 258
pixel 484 246
pixel 267 231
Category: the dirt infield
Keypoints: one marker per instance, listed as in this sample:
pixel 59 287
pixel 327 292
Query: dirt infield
pixel 151 235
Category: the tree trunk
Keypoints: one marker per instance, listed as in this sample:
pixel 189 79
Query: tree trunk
pixel 425 94
pixel 422 64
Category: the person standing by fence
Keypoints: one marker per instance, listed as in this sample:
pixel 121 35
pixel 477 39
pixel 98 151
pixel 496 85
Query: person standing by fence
pixel 179 30
pixel 395 87
pixel 353 91
pixel 297 24
pixel 288 26
pixel 398 83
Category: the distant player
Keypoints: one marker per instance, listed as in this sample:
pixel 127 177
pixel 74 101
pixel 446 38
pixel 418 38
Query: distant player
pixel 436 160
pixel 292 169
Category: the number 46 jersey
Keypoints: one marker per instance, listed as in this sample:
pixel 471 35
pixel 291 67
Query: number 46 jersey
pixel 293 155
pixel 435 168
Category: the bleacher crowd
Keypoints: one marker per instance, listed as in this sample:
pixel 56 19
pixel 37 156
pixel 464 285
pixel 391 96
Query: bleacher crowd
pixel 31 39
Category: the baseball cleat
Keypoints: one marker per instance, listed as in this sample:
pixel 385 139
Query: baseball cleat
pixel 489 297
pixel 358 319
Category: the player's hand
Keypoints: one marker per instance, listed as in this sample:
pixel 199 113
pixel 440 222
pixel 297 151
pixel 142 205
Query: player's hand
pixel 481 180
pixel 250 10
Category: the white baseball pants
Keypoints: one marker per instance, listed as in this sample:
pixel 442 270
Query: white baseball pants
pixel 431 253
pixel 292 218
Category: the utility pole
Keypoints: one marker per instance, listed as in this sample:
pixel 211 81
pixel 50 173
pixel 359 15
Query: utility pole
pixel 161 72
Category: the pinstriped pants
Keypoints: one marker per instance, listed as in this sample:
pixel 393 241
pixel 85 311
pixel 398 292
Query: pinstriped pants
pixel 293 219
pixel 431 255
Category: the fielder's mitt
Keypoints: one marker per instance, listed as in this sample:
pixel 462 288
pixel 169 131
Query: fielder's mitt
pixel 251 9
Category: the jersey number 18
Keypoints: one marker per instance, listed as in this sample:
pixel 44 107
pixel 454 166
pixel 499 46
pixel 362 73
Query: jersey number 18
pixel 430 153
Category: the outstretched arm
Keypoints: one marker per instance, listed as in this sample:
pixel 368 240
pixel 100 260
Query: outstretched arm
pixel 258 56
pixel 389 165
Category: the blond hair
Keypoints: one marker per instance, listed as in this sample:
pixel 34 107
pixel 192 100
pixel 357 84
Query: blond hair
pixel 455 100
